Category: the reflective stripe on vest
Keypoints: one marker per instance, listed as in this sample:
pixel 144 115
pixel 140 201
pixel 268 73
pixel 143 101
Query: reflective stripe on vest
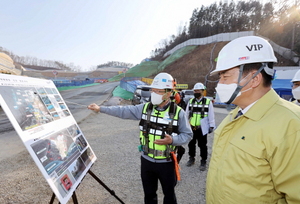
pixel 158 125
pixel 199 109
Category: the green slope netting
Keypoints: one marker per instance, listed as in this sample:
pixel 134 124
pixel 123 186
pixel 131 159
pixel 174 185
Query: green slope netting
pixel 175 56
pixel 118 91
pixel 146 69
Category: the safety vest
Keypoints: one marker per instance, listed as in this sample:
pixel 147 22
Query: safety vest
pixel 154 125
pixel 198 110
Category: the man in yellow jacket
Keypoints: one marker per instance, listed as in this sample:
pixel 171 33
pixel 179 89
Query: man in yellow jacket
pixel 255 155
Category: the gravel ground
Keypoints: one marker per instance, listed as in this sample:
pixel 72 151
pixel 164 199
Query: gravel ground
pixel 115 143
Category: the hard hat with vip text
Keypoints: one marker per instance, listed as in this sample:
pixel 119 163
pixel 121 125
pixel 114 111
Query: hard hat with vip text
pixel 244 50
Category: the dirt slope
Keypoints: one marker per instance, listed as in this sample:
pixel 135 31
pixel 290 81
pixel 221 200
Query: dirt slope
pixel 194 67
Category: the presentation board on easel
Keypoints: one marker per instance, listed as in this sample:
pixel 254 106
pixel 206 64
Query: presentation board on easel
pixel 48 130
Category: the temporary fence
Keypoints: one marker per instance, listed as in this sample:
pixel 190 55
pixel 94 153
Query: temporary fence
pixel 147 80
pixel 63 83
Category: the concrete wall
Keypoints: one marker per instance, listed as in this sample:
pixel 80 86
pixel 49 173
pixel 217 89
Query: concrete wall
pixel 223 37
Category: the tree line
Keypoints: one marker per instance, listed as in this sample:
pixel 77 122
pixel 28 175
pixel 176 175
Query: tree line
pixel 32 61
pixel 277 20
pixel 115 64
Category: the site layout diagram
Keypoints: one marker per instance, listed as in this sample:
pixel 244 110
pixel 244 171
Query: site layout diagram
pixel 48 130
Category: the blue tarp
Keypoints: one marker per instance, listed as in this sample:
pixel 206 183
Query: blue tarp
pixel 283 88
pixel 282 84
pixel 130 85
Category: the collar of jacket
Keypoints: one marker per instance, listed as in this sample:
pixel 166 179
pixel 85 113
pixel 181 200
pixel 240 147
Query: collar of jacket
pixel 198 100
pixel 258 110
pixel 163 108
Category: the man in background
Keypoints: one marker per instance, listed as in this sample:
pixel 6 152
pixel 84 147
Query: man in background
pixel 296 88
pixel 200 112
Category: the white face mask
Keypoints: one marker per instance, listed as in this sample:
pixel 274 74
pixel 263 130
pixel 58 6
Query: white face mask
pixel 156 99
pixel 296 93
pixel 225 91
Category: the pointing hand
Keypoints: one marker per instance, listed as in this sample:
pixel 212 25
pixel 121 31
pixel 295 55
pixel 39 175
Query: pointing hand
pixel 94 107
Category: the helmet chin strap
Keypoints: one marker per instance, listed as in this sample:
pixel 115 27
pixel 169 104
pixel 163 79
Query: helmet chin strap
pixel 239 87
pixel 165 99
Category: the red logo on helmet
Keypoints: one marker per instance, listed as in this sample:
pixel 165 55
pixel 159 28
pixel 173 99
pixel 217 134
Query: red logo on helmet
pixel 243 58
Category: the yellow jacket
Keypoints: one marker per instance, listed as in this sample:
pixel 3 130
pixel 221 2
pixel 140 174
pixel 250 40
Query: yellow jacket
pixel 255 157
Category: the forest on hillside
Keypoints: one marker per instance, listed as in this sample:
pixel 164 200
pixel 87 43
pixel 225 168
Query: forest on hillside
pixel 278 20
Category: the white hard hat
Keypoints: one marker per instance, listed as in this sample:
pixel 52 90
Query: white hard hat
pixel 198 86
pixel 163 81
pixel 296 76
pixel 244 50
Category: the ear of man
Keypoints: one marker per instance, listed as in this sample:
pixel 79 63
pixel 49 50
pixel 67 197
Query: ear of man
pixel 257 81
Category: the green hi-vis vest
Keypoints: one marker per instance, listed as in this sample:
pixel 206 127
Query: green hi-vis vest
pixel 198 110
pixel 154 125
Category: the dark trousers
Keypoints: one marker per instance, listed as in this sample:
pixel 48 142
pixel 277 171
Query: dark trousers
pixel 202 144
pixel 164 172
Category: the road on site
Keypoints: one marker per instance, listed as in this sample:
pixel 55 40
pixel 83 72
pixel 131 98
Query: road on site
pixel 77 100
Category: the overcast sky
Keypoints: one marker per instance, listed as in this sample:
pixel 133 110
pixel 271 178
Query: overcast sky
pixel 91 32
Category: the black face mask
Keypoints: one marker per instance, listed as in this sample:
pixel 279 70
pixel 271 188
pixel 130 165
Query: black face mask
pixel 197 95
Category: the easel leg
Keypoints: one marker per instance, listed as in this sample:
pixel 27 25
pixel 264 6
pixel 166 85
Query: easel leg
pixel 109 190
pixel 52 199
pixel 74 197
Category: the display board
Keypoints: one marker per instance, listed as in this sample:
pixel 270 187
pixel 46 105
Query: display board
pixel 48 130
